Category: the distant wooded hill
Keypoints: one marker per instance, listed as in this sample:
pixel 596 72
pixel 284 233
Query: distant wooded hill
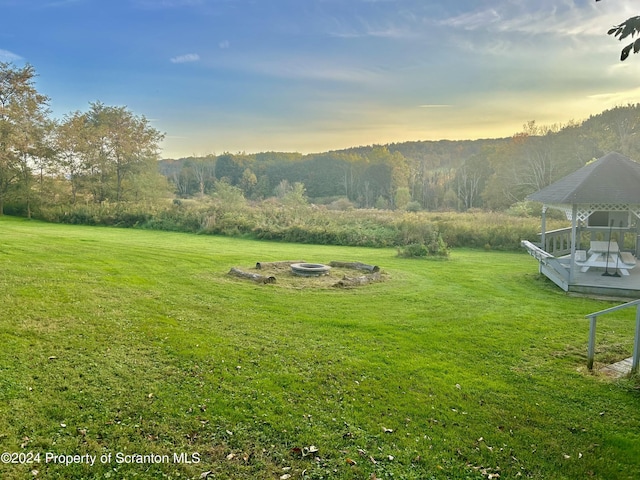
pixel 431 175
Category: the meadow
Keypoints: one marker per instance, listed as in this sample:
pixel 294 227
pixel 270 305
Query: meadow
pixel 136 348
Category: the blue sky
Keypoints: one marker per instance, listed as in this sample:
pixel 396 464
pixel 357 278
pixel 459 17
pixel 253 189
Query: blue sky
pixel 317 75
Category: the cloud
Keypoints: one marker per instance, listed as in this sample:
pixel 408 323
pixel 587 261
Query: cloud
pixel 474 20
pixel 7 56
pixel 224 44
pixel 187 58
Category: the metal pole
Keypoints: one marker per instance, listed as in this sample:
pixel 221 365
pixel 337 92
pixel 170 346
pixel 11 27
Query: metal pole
pixel 636 344
pixel 592 341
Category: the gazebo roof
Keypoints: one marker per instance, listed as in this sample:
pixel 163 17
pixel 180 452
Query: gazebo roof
pixel 612 179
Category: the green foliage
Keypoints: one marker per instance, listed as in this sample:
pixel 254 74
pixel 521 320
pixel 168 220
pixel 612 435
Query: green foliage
pixel 413 206
pixel 416 250
pixel 413 250
pixel 228 195
pixel 341 204
pixel 295 196
pixel 402 198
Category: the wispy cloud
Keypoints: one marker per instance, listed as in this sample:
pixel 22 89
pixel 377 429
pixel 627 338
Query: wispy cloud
pixel 545 17
pixel 479 19
pixel 7 56
pixel 224 44
pixel 187 58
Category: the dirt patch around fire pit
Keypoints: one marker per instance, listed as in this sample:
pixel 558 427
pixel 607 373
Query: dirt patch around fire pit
pixel 280 274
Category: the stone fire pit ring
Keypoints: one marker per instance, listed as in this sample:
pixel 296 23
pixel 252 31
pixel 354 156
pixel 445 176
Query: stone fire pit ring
pixel 310 269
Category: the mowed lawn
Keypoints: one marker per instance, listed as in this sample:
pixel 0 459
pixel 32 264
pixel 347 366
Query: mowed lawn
pixel 137 348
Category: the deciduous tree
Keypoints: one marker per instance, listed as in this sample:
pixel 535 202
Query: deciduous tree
pixel 109 151
pixel 23 115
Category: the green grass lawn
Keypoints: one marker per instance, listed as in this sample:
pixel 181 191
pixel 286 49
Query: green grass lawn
pixel 127 342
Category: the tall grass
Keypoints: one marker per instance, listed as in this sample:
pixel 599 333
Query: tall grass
pixel 271 220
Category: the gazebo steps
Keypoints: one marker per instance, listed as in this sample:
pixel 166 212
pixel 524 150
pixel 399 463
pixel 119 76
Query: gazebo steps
pixel 619 369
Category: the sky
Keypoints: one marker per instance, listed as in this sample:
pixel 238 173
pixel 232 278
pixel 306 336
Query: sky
pixel 310 76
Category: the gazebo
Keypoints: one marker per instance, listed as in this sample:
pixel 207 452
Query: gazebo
pixel 597 254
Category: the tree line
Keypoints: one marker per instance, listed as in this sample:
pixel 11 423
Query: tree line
pixel 490 174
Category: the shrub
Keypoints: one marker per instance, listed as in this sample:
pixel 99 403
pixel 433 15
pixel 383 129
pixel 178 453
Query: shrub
pixel 413 250
pixel 413 206
pixel 435 248
pixel 342 204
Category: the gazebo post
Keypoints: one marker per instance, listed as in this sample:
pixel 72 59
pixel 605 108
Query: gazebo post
pixel 543 236
pixel 574 222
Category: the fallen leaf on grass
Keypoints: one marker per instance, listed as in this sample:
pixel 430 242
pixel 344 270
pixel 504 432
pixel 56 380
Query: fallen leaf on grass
pixel 286 476
pixel 387 430
pixel 350 461
pixel 205 474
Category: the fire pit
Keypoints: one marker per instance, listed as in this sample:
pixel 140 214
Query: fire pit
pixel 310 269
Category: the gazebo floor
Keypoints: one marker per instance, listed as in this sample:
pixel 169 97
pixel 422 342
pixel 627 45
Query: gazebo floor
pixel 594 282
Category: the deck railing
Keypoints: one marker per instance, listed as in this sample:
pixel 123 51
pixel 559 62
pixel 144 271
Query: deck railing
pixel 557 242
pixel 592 334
